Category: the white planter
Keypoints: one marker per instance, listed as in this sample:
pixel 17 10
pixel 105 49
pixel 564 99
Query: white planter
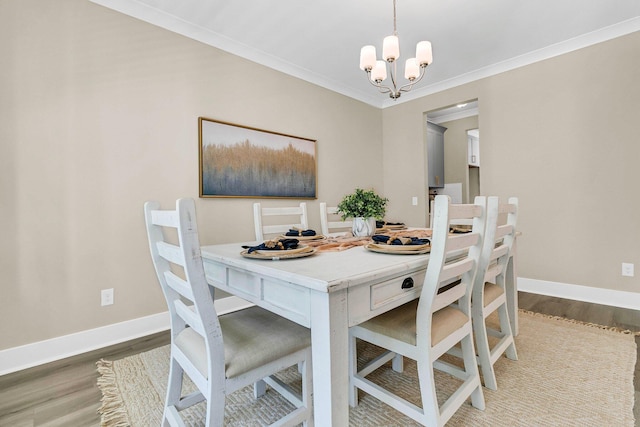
pixel 363 227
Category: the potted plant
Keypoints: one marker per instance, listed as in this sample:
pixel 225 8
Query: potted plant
pixel 364 206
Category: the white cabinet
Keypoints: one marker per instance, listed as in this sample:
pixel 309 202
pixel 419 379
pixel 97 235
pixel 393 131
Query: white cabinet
pixel 473 141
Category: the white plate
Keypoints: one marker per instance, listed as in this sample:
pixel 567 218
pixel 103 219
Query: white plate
pixel 399 249
pixel 278 252
pixel 316 237
pixel 277 255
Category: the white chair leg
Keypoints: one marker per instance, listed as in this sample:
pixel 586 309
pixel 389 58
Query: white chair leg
pixel 259 389
pixel 397 363
pixel 215 409
pixel 505 327
pixel 174 386
pixel 484 351
pixel 430 405
pixel 471 368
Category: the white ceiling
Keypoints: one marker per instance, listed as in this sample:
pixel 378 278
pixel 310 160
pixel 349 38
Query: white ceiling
pixel 320 41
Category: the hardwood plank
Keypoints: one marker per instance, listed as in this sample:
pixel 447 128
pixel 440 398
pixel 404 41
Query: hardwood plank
pixel 582 311
pixel 64 392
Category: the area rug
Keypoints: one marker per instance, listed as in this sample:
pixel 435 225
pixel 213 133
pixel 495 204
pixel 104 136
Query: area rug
pixel 568 374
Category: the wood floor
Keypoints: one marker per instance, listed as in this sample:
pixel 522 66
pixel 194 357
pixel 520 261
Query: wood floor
pixel 64 393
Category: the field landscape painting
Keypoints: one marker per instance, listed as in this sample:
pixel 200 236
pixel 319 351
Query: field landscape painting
pixel 239 161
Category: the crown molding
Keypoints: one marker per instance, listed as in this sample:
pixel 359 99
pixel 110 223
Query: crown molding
pixel 157 17
pixel 607 33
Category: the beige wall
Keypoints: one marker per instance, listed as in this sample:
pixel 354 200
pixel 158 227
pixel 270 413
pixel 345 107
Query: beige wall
pixel 562 136
pixel 99 113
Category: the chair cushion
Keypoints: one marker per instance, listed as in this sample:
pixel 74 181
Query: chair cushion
pixel 400 323
pixel 252 337
pixel 192 345
pixel 491 292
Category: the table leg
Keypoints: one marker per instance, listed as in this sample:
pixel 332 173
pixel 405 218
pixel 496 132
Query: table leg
pixel 511 288
pixel 329 341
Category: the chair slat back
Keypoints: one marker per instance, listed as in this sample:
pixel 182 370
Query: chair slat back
pixel 453 256
pixel 171 253
pixel 505 236
pixel 498 244
pixel 327 224
pixel 490 251
pixel 180 271
pixel 165 218
pixel 262 229
pixel 453 221
pixel 179 285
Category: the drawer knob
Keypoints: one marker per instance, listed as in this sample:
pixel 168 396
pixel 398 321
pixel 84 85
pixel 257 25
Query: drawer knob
pixel 407 283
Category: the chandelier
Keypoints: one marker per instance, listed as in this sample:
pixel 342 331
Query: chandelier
pixel 414 68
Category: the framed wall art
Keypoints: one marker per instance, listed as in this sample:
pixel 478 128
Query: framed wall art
pixel 240 161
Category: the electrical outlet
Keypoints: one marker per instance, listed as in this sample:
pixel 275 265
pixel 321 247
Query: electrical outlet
pixel 627 269
pixel 106 297
pixel 414 201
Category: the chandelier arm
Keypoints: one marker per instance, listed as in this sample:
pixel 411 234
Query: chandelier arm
pixel 409 86
pixel 381 88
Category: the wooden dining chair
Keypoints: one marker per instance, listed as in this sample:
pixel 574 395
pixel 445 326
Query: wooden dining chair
pixel 489 293
pixel 220 354
pixel 296 216
pixel 426 328
pixel 329 222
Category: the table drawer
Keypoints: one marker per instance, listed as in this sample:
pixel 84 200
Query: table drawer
pixel 370 300
pixel 279 296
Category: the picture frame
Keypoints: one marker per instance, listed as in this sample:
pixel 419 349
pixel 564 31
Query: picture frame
pixel 241 161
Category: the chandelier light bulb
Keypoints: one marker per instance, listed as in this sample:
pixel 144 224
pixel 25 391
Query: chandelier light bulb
pixel 379 72
pixel 424 54
pixel 411 69
pixel 367 58
pixel 390 48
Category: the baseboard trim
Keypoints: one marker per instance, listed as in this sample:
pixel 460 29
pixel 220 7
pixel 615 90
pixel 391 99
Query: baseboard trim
pixel 622 299
pixel 41 352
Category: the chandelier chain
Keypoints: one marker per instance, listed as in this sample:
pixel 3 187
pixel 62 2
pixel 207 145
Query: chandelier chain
pixel 395 29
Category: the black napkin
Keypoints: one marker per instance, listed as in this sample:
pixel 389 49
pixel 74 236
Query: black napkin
pixel 381 238
pixel 380 224
pixel 457 230
pixel 274 245
pixel 297 232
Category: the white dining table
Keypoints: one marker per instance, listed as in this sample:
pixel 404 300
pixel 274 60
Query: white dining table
pixel 327 292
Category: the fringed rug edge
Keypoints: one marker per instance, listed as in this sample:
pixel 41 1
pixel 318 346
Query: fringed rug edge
pixel 112 410
pixel 579 322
